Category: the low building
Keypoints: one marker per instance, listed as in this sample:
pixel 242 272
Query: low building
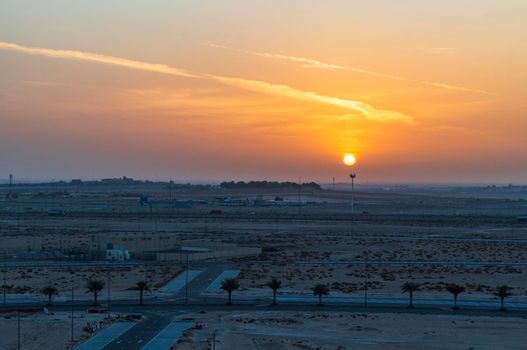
pixel 199 250
pixel 120 254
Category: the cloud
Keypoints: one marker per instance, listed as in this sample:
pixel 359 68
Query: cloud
pixel 92 57
pixel 313 63
pixel 365 109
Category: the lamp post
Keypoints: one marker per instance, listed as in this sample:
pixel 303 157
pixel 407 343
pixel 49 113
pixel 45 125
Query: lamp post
pixel 353 176
pixel 186 282
pixel 18 331
pixel 349 160
pixel 4 286
pixel 109 303
pixel 366 279
pixel 72 309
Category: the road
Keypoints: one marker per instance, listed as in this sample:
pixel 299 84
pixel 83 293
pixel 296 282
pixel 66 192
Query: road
pixel 137 337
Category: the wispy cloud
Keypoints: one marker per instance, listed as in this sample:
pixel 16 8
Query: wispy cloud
pixel 313 63
pixel 93 57
pixel 365 109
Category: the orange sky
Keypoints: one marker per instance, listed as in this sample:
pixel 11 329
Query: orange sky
pixel 202 91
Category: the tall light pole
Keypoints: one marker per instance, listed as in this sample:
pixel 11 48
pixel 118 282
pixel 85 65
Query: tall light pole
pixel 109 304
pixel 72 308
pixel 18 331
pixel 366 279
pixel 349 160
pixel 4 286
pixel 299 193
pixel 353 176
pixel 186 283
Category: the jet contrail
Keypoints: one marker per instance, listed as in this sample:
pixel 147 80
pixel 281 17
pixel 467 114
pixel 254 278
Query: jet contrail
pixel 310 62
pixel 93 57
pixel 367 110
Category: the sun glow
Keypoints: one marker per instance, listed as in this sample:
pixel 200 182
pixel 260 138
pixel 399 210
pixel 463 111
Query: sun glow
pixel 349 159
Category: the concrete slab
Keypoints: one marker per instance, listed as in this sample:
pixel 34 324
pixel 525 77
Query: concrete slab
pixel 179 282
pixel 164 339
pixel 106 336
pixel 216 284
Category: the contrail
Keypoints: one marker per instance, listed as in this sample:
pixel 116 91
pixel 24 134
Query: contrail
pixel 93 57
pixel 367 110
pixel 310 62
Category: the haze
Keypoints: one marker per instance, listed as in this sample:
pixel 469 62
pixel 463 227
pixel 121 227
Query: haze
pixel 419 91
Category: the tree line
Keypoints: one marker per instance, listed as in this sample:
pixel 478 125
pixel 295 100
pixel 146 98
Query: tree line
pixel 271 185
pixel 319 290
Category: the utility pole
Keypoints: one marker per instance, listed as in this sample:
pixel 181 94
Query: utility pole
pixel 299 194
pixel 5 275
pixel 366 279
pixel 214 340
pixel 186 283
pixel 353 176
pixel 109 305
pixel 72 317
pixel 18 331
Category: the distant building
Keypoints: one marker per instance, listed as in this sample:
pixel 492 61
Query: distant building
pixel 120 254
pixel 199 250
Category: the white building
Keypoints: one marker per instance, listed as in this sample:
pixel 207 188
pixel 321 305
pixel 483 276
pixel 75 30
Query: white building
pixel 120 254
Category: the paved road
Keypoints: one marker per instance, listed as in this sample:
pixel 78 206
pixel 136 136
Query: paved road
pixel 415 263
pixel 180 281
pixel 105 336
pixel 436 239
pixel 199 284
pixel 136 337
pixel 164 339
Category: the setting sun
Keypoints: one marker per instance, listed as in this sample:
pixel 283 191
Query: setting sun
pixel 349 159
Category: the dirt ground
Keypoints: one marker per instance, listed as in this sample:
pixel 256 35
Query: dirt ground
pixel 340 331
pixel 121 279
pixel 41 331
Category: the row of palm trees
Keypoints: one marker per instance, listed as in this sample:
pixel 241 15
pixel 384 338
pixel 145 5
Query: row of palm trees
pixel 501 292
pixel 95 286
pixel 319 290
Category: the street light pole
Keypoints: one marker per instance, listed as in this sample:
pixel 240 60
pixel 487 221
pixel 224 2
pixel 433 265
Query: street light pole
pixel 366 279
pixel 186 283
pixel 353 176
pixel 299 194
pixel 72 307
pixel 109 304
pixel 18 331
pixel 5 275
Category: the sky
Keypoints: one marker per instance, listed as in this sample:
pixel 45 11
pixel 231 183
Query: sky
pixel 204 91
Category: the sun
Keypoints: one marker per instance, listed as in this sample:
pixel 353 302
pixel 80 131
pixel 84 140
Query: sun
pixel 349 159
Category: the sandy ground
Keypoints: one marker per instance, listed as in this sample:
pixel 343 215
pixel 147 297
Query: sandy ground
pixel 121 279
pixel 40 331
pixel 339 331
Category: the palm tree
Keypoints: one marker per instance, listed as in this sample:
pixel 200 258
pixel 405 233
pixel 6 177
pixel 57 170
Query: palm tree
pixel 142 286
pixel 50 291
pixel 503 292
pixel 320 290
pixel 455 289
pixel 94 286
pixel 410 287
pixel 229 285
pixel 274 284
